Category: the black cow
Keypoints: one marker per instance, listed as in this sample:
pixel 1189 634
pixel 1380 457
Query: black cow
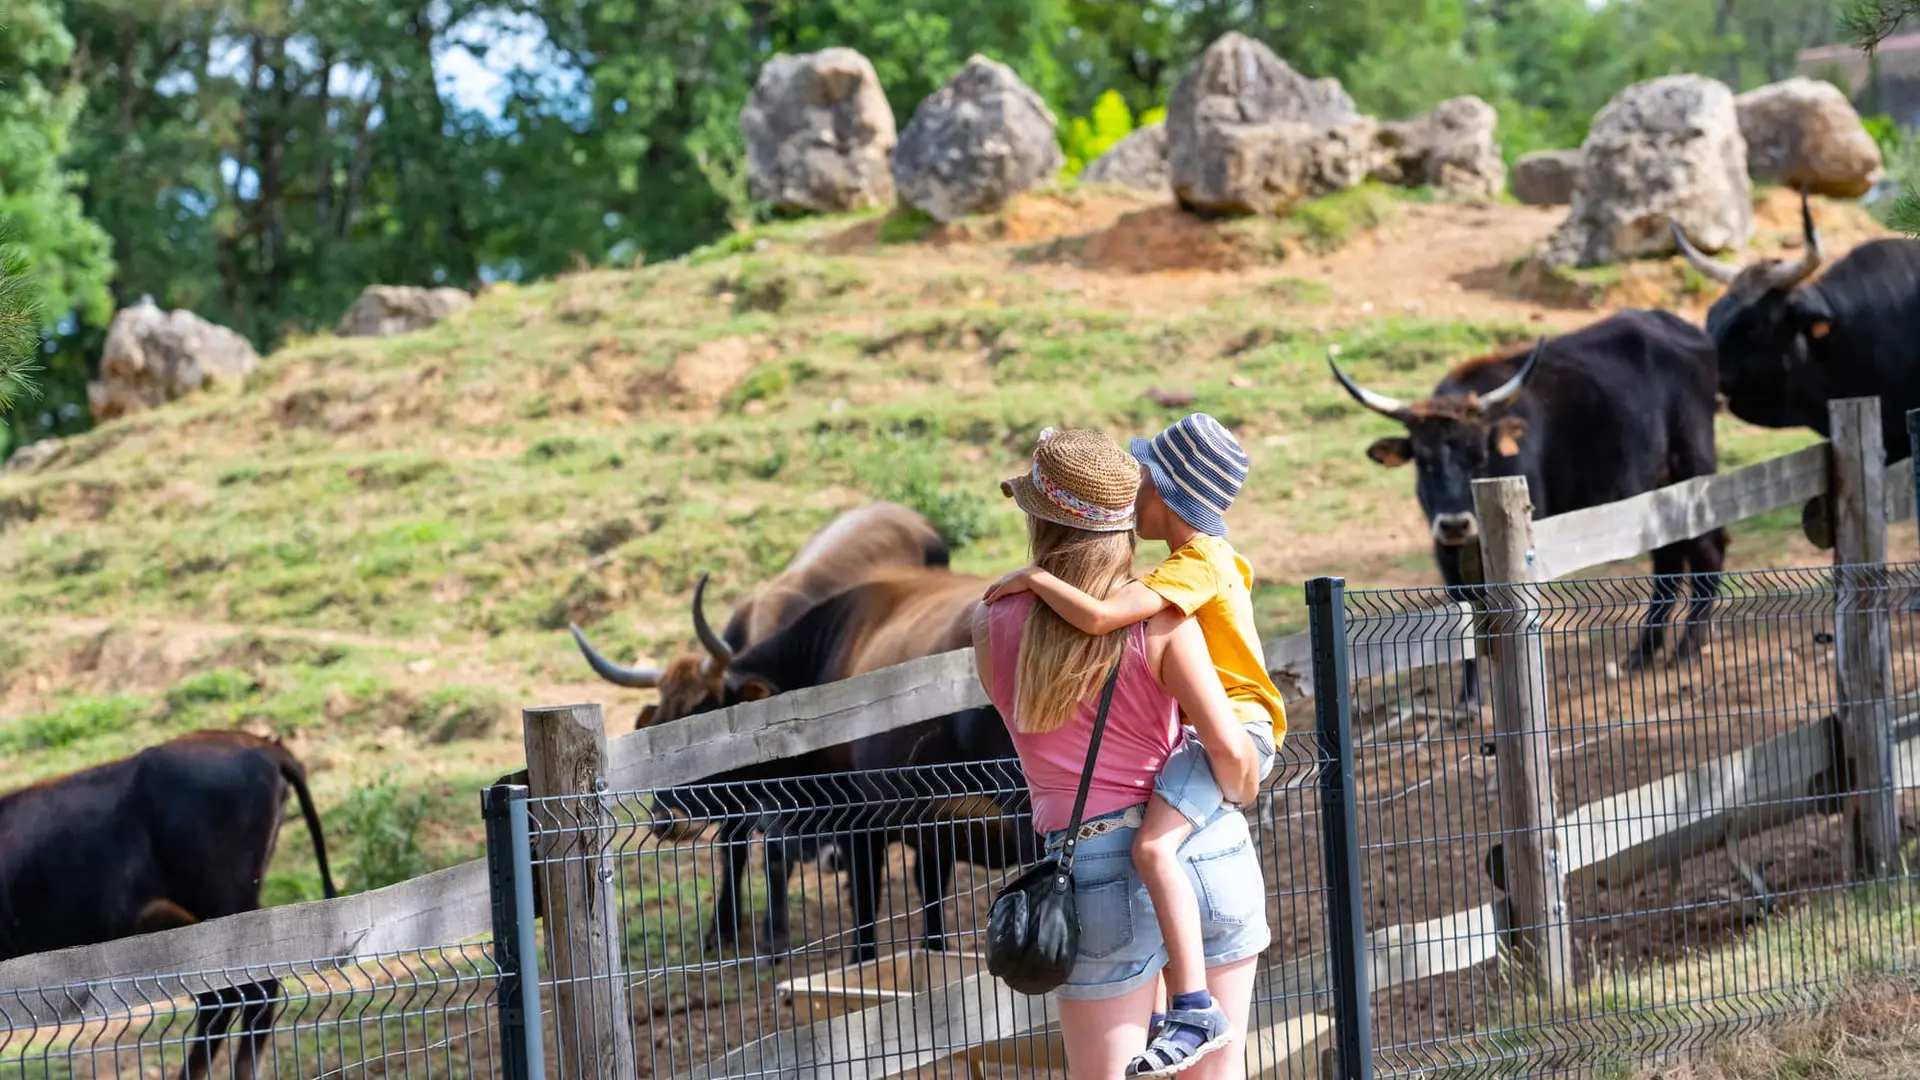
pixel 1614 409
pixel 1789 345
pixel 176 834
pixel 853 792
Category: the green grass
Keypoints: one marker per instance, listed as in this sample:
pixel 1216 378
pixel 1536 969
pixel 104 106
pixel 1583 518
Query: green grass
pixel 374 548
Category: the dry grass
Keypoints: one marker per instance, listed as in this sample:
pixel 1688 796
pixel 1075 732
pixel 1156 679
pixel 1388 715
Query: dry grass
pixel 1869 1031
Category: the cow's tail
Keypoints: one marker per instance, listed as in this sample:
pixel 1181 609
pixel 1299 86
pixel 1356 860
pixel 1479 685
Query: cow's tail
pixel 295 775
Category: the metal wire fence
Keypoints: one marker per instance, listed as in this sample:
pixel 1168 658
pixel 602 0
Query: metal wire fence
pixel 416 1014
pixel 784 925
pixel 1705 817
pixel 1700 806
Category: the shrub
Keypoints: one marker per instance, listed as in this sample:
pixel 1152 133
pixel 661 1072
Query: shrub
pixel 915 478
pixel 1085 138
pixel 382 830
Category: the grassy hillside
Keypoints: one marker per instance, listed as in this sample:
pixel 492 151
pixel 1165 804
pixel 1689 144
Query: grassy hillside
pixel 374 546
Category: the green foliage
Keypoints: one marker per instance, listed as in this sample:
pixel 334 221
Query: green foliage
pixel 77 721
pixel 380 826
pixel 912 472
pixel 905 224
pixel 1327 223
pixel 19 333
pixel 1869 22
pixel 1085 138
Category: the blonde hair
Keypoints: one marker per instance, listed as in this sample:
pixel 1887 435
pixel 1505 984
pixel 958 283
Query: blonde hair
pixel 1060 667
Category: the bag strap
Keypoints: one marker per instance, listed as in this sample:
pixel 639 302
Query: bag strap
pixel 1093 752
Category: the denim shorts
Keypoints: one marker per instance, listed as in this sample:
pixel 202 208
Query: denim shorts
pixel 1121 949
pixel 1186 781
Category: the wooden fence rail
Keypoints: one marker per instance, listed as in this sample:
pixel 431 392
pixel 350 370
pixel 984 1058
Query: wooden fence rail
pixel 450 906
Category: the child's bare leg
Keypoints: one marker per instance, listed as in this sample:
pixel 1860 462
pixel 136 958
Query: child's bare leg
pixel 1156 854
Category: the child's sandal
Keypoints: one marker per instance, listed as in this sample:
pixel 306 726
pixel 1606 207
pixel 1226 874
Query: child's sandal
pixel 1166 1056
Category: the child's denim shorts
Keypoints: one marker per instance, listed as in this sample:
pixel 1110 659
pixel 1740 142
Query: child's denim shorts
pixel 1121 949
pixel 1186 782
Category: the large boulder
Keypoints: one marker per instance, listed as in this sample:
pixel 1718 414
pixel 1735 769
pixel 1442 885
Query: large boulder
pixel 1248 134
pixel 1451 148
pixel 1802 132
pixel 1546 177
pixel 1664 150
pixel 385 310
pixel 153 357
pixel 1137 161
pixel 975 143
pixel 819 134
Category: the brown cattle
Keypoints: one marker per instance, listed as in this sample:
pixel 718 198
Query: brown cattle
pixel 858 542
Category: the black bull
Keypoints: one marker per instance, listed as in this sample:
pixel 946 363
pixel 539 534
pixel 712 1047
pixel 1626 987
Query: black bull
pixel 922 784
pixel 1789 344
pixel 176 834
pixel 1619 407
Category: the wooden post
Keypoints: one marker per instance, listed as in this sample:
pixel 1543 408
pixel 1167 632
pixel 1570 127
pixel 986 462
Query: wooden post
pixel 1530 847
pixel 1863 635
pixel 586 939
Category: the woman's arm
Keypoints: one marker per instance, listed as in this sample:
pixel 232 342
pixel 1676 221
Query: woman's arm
pixel 1131 604
pixel 1187 671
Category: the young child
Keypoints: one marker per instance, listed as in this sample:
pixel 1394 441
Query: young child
pixel 1191 473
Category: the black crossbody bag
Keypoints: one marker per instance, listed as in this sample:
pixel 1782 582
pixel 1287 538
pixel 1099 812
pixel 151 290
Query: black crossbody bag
pixel 1033 928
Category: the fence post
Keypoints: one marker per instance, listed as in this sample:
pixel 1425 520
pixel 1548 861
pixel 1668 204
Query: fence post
pixel 516 946
pixel 1863 635
pixel 1530 845
pixel 1913 455
pixel 586 939
pixel 1340 829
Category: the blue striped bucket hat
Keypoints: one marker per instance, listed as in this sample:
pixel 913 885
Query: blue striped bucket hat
pixel 1197 466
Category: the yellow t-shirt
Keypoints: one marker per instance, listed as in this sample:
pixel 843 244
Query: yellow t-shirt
pixel 1208 580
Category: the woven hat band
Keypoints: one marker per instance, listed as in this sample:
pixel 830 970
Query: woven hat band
pixel 1074 506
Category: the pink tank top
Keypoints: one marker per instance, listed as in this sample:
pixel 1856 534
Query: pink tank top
pixel 1143 727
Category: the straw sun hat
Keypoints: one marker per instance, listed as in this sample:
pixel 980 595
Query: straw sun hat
pixel 1079 479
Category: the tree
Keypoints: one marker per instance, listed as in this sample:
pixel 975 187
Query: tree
pixel 19 333
pixel 1869 22
pixel 40 215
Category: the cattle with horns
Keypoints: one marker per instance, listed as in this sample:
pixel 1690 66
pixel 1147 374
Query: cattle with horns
pixel 1789 343
pixel 1619 407
pixel 853 792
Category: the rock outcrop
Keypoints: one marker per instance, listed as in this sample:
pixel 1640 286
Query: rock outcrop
pixel 385 310
pixel 1668 149
pixel 975 143
pixel 1248 134
pixel 1451 149
pixel 819 134
pixel 1137 161
pixel 1805 133
pixel 154 356
pixel 1546 177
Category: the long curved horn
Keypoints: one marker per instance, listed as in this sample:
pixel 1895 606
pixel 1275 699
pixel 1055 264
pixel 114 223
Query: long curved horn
pixel 716 648
pixel 1380 403
pixel 637 678
pixel 1793 273
pixel 1724 273
pixel 1500 394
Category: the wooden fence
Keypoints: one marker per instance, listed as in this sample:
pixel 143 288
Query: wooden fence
pixel 451 906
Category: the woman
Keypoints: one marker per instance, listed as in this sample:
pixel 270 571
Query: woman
pixel 1044 678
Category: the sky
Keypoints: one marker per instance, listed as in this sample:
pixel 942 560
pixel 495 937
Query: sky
pixel 474 67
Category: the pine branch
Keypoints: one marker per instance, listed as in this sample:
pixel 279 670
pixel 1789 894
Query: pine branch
pixel 19 329
pixel 1904 216
pixel 1870 22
